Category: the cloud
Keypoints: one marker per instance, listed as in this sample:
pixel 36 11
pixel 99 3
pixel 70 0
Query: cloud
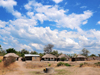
pixel 57 1
pixel 83 7
pixel 85 22
pixel 98 22
pixel 9 6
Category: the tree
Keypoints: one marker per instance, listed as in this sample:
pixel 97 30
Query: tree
pixel 2 52
pixel 33 52
pixel 11 50
pixel 55 52
pixel 48 48
pixel 85 52
pixel 63 59
pixel 99 55
pixel 23 51
pixel 92 55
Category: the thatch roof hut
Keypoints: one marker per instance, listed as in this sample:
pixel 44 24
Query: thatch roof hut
pixel 63 55
pixel 49 56
pixel 11 54
pixel 80 56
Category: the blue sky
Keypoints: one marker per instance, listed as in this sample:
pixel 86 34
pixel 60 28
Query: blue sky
pixel 70 25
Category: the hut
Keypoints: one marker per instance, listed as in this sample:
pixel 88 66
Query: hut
pixel 32 57
pixel 49 57
pixel 11 54
pixel 63 55
pixel 79 57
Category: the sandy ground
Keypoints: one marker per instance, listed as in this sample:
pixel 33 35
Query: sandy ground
pixel 63 70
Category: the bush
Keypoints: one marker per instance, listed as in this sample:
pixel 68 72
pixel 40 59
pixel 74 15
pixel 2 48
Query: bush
pixel 0 60
pixel 60 64
pixel 81 64
pixel 66 64
pixel 49 65
pixel 63 59
pixel 9 60
pixel 97 64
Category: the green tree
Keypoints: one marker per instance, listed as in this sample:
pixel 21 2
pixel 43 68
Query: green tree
pixel 11 50
pixel 92 55
pixel 85 52
pixel 2 52
pixel 23 51
pixel 55 52
pixel 33 52
pixel 63 59
pixel 99 55
pixel 41 55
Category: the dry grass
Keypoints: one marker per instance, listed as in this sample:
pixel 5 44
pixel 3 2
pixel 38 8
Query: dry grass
pixel 10 68
pixel 1 57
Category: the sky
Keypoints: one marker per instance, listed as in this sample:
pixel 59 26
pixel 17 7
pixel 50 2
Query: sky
pixel 70 25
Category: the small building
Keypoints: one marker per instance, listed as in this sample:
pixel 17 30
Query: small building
pixel 32 57
pixel 63 55
pixel 49 57
pixel 79 57
pixel 11 54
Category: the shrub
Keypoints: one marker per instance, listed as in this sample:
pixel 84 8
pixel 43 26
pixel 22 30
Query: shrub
pixel 66 64
pixel 0 60
pixel 49 64
pixel 63 59
pixel 97 64
pixel 85 63
pixel 60 64
pixel 9 60
pixel 81 64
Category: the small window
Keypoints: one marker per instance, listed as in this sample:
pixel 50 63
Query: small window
pixel 35 58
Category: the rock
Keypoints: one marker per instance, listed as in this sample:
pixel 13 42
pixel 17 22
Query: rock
pixel 48 70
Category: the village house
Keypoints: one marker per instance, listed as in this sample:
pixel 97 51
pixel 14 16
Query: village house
pixel 11 54
pixel 49 57
pixel 63 55
pixel 32 57
pixel 79 57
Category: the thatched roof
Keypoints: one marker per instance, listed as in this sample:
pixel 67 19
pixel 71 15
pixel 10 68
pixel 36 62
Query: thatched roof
pixel 11 54
pixel 80 56
pixel 63 55
pixel 49 56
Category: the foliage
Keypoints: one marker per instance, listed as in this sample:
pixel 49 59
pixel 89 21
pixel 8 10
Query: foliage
pixel 33 52
pixel 0 60
pixel 23 51
pixel 11 50
pixel 66 64
pixel 81 64
pixel 60 64
pixel 49 65
pixel 55 52
pixel 97 64
pixel 48 48
pixel 63 59
pixel 2 52
pixel 9 60
pixel 41 54
pixel 85 52
pixel 92 55
pixel 99 55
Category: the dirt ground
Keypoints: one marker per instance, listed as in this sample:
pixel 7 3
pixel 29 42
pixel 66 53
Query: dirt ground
pixel 36 68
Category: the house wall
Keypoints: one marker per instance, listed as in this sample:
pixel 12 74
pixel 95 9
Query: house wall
pixel 35 58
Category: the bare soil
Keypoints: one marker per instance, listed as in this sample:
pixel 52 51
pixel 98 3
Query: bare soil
pixel 36 68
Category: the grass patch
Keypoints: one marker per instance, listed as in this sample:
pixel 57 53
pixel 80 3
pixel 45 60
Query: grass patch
pixel 97 64
pixel 61 64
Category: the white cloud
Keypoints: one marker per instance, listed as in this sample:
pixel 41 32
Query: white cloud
pixel 98 22
pixel 9 6
pixel 83 7
pixel 57 1
pixel 85 22
pixel 2 24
